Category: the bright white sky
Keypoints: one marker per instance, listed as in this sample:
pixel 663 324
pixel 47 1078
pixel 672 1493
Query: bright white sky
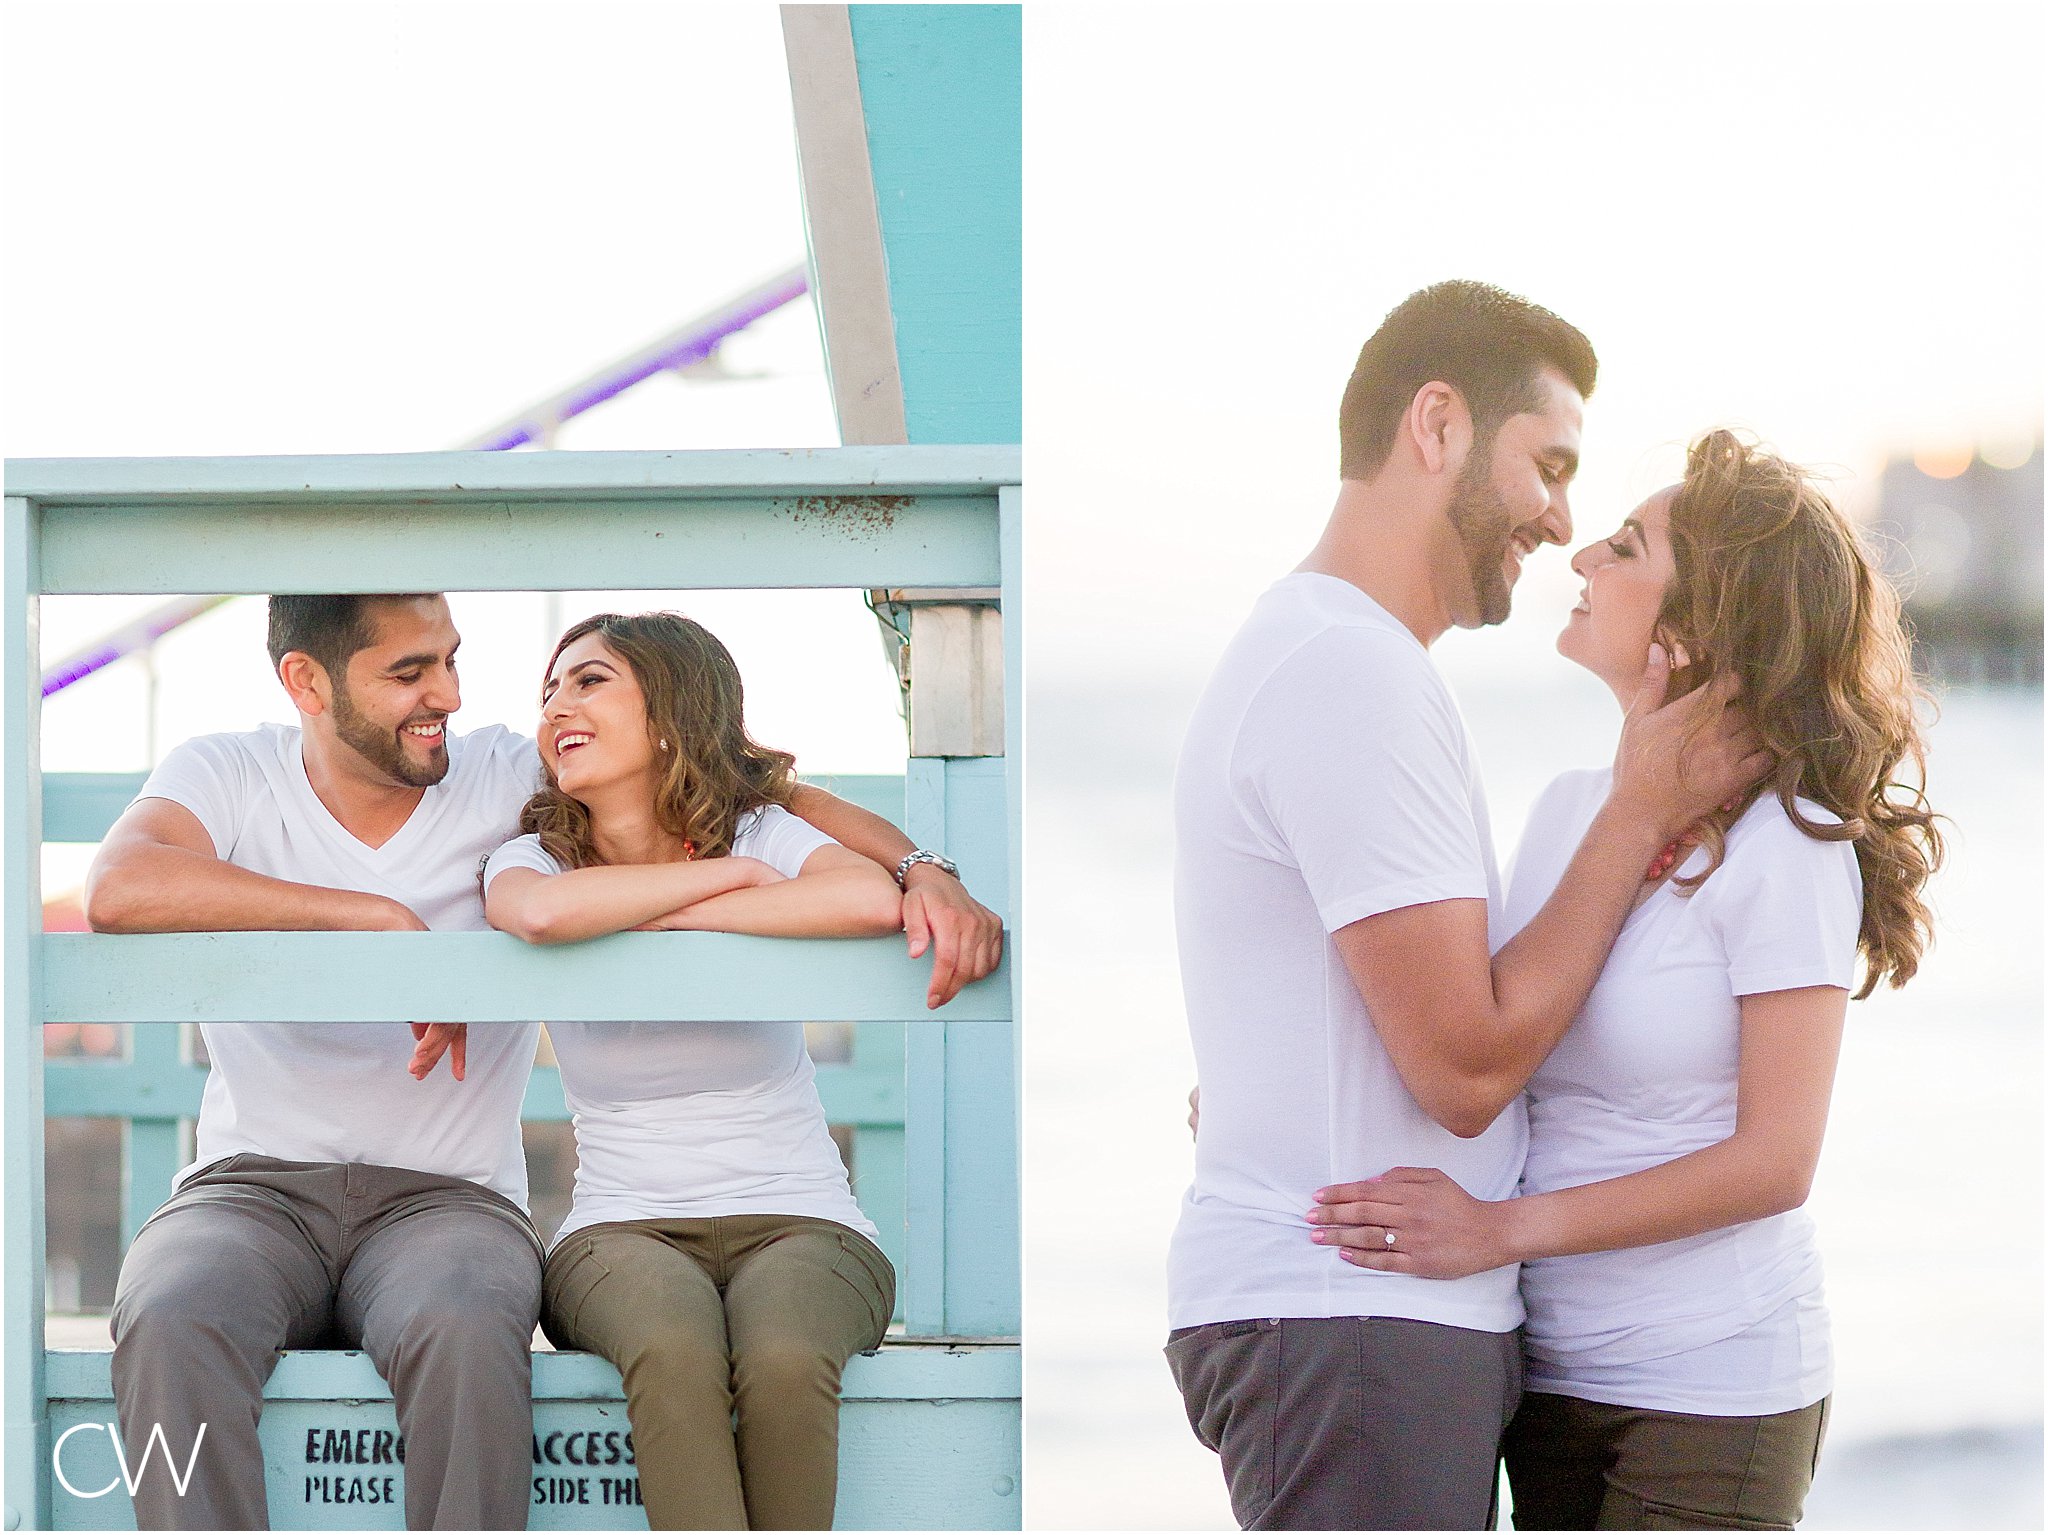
pixel 1822 221
pixel 253 228
pixel 325 228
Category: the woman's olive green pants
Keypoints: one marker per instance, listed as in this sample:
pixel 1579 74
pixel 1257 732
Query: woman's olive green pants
pixel 731 1333
pixel 1576 1465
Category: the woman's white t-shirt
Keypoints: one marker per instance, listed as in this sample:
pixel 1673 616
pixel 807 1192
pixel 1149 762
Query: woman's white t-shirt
pixel 679 1121
pixel 1731 1322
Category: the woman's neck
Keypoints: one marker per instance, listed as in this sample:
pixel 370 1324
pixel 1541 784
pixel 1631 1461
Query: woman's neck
pixel 629 832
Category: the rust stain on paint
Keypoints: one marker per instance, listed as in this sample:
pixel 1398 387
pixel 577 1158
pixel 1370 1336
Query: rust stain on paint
pixel 855 516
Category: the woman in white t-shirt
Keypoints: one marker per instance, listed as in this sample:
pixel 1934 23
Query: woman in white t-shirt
pixel 1677 1348
pixel 714 1251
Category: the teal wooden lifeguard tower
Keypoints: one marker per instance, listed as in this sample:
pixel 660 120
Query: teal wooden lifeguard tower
pixel 908 129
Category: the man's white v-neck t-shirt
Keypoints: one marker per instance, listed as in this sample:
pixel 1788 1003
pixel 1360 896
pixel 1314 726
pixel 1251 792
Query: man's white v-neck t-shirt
pixel 1326 777
pixel 340 1092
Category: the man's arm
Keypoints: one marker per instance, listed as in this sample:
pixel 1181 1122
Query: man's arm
pixel 1467 1030
pixel 837 894
pixel 964 936
pixel 157 872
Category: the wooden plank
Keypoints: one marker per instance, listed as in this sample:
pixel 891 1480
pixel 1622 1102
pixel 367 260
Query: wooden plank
pixel 930 1438
pixel 878 1149
pixel 82 1087
pixel 984 1277
pixel 657 542
pixel 1010 511
pixel 941 92
pixel 79 807
pixel 922 1277
pixel 481 977
pixel 902 1370
pixel 76 1088
pixel 152 1148
pixel 849 274
pixel 21 1127
pixel 532 476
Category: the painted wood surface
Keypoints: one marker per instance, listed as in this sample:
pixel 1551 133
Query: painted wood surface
pixel 919 516
pixel 503 545
pixel 468 522
pixel 792 472
pixel 942 93
pixel 929 1439
pixel 481 977
pixel 21 1127
pixel 848 269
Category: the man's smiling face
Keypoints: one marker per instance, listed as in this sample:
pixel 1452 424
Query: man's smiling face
pixel 392 706
pixel 1511 497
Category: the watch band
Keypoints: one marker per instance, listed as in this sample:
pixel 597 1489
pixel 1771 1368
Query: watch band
pixel 925 855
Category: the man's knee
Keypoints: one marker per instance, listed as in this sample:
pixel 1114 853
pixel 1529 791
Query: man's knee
pixel 484 1323
pixel 175 1311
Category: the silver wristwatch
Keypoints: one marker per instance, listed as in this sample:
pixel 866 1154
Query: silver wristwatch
pixel 925 855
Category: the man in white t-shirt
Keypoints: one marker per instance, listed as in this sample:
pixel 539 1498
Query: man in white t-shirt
pixel 333 1197
pixel 1337 905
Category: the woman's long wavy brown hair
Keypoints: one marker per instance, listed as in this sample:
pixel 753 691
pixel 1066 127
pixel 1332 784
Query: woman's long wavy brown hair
pixel 713 772
pixel 1774 584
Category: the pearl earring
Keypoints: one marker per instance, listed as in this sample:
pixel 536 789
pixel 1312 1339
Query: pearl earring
pixel 662 743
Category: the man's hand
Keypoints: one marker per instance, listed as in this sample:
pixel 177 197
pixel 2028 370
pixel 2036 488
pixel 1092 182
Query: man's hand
pixel 1438 1230
pixel 964 936
pixel 1677 761
pixel 1194 1113
pixel 436 1040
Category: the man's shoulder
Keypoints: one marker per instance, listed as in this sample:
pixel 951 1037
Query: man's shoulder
pixel 224 750
pixel 497 742
pixel 1339 663
pixel 1307 619
pixel 1306 658
pixel 495 751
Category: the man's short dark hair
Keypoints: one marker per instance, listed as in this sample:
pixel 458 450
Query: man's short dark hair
pixel 329 629
pixel 1487 344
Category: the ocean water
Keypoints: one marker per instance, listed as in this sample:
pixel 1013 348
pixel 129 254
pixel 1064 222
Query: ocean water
pixel 1928 1200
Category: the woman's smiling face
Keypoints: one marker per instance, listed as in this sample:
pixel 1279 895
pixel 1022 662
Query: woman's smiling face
pixel 593 730
pixel 1625 578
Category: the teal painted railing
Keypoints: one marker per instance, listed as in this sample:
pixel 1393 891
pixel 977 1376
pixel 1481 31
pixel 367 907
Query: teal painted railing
pixel 153 1089
pixel 931 1428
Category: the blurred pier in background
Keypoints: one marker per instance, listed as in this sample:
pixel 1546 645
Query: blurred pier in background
pixel 1961 534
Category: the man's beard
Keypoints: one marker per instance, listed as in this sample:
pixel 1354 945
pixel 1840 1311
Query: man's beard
pixel 1485 529
pixel 383 750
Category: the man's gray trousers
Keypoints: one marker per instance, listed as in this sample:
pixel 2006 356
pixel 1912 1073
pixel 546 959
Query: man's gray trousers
pixel 436 1279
